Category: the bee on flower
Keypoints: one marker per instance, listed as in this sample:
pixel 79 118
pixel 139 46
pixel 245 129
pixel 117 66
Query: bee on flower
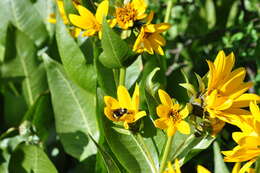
pixel 171 115
pixel 125 109
pixel 224 99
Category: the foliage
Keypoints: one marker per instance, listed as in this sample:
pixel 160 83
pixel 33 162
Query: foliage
pixel 52 85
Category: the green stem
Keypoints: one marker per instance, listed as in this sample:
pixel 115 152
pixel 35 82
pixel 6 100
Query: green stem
pixel 168 11
pixel 166 153
pixel 122 76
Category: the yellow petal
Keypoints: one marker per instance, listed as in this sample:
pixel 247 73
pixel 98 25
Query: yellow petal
pixel 201 169
pixel 111 102
pixel 158 39
pixel 102 10
pixel 220 63
pixel 254 109
pixel 89 32
pixel 236 168
pixel 211 76
pixel 139 5
pixel 183 127
pixel 234 80
pixel 161 123
pixel 149 17
pixel 80 21
pixel 135 98
pixel 177 166
pixel 140 115
pixel 109 114
pixel 161 27
pixel 123 97
pixel 247 166
pixel 240 90
pixel 245 99
pixel 163 111
pixel 147 46
pixel 85 13
pixel 171 130
pixel 165 98
pixel 185 111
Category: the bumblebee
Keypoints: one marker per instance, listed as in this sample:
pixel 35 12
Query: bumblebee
pixel 119 112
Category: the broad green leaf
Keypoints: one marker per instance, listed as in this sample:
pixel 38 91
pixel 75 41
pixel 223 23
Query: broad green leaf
pixel 12 117
pixel 133 72
pixel 219 164
pixel 109 162
pixel 186 147
pixel 75 112
pixel 7 146
pixel 131 150
pixel 5 19
pixel 75 64
pixel 152 85
pixel 27 19
pixel 115 49
pixel 45 9
pixel 35 82
pixel 105 78
pixel 232 14
pixel 40 115
pixel 30 158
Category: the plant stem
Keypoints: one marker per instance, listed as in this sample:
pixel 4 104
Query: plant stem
pixel 168 11
pixel 166 153
pixel 122 76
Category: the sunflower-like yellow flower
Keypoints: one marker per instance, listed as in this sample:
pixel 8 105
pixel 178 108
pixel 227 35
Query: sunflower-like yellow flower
pixel 171 115
pixel 149 39
pixel 125 109
pixel 52 18
pixel 225 93
pixel 88 22
pixel 248 140
pixel 130 12
pixel 60 5
pixel 236 169
pixel 176 166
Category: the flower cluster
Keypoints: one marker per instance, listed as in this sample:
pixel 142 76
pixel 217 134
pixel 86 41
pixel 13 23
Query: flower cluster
pixel 223 101
pixel 130 17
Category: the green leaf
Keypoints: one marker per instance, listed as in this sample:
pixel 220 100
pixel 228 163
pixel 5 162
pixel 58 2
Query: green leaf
pixel 109 162
pixel 219 164
pixel 115 49
pixel 186 147
pixel 27 19
pixel 30 158
pixel 75 112
pixel 133 72
pixel 40 115
pixel 75 64
pixel 152 85
pixel 131 150
pixel 35 81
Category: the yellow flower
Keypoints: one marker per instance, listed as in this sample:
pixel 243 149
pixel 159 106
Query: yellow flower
pixel 171 116
pixel 60 5
pixel 125 109
pixel 225 93
pixel 170 168
pixel 130 12
pixel 88 22
pixel 52 18
pixel 248 140
pixel 149 39
pixel 201 169
pixel 236 169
